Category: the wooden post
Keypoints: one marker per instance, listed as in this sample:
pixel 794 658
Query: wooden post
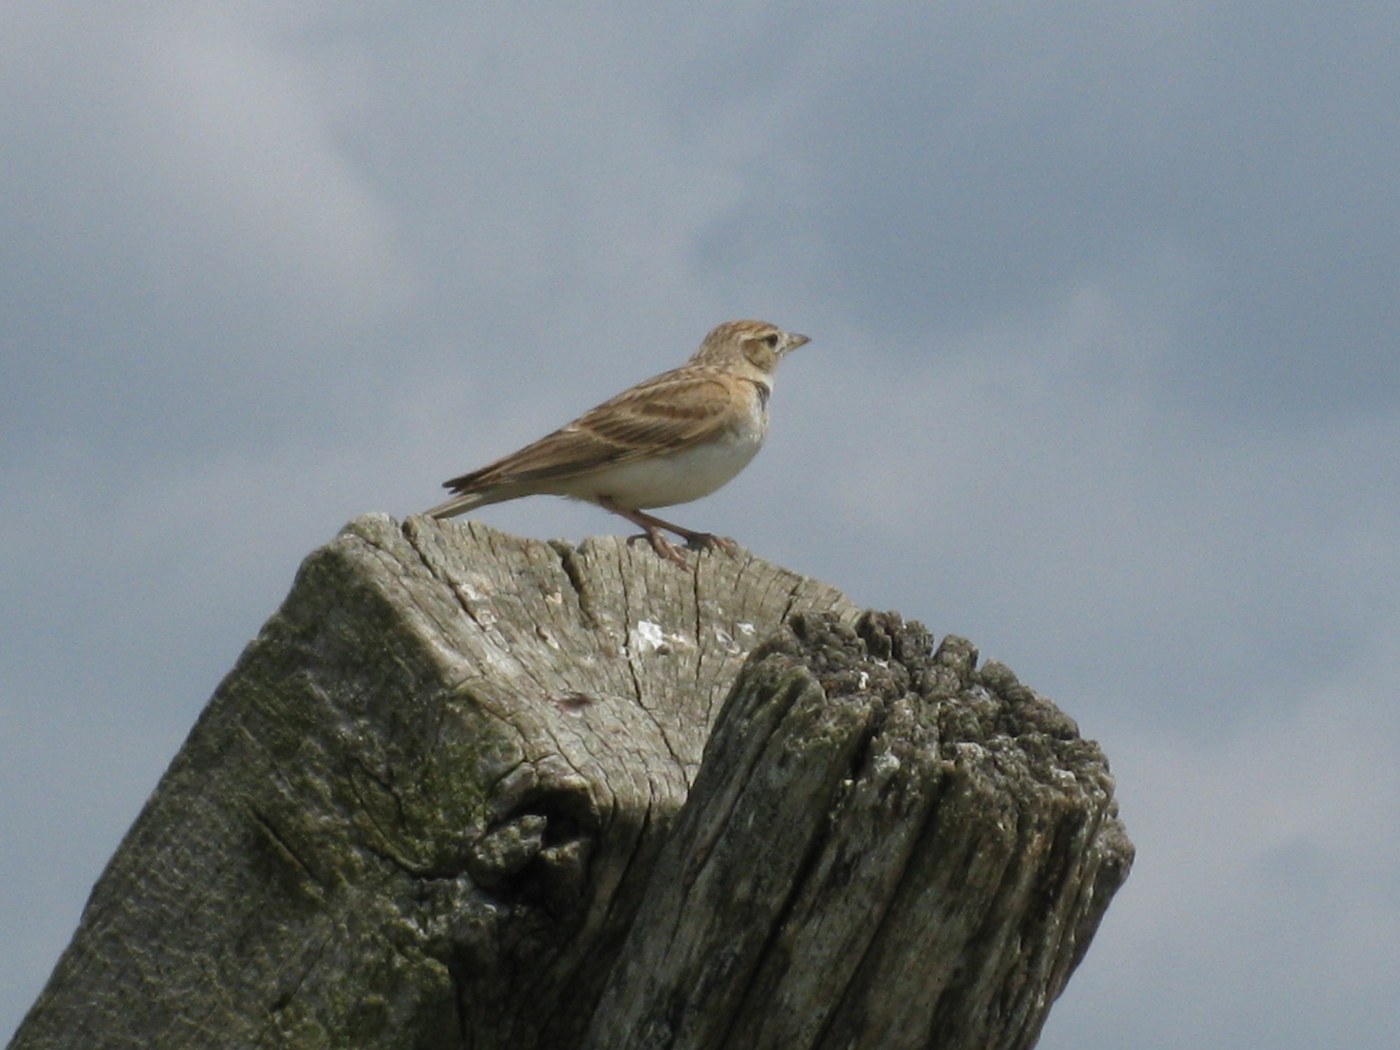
pixel 445 800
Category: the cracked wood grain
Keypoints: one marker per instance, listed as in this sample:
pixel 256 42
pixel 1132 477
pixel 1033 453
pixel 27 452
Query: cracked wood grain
pixel 426 808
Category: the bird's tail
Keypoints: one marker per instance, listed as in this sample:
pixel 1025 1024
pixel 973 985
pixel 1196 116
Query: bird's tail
pixel 458 504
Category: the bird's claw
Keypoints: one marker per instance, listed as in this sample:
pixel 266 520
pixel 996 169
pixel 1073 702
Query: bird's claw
pixel 700 541
pixel 662 546
pixel 706 541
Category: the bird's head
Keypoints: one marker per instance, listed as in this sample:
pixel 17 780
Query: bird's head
pixel 759 344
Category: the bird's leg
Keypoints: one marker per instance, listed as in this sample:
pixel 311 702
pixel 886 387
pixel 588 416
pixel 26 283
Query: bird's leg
pixel 652 526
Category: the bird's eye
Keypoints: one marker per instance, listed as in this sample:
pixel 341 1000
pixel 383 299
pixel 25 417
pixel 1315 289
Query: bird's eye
pixel 771 339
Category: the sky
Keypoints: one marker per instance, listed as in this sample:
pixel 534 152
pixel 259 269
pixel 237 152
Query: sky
pixel 1103 376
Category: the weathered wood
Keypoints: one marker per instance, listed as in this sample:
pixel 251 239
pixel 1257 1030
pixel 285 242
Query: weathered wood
pixel 885 848
pixel 426 805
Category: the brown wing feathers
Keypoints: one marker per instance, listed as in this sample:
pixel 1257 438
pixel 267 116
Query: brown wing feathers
pixel 635 423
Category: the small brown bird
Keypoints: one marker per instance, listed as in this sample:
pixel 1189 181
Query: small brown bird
pixel 671 439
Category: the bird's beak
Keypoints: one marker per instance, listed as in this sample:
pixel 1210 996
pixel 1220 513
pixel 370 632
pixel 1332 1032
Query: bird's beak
pixel 794 340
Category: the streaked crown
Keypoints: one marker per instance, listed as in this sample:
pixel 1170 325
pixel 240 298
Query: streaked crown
pixel 759 343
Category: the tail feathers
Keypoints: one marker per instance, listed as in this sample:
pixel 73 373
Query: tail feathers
pixel 459 504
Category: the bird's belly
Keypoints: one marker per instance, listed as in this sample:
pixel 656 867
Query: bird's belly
pixel 665 481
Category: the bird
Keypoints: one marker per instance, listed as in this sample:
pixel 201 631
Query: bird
pixel 670 439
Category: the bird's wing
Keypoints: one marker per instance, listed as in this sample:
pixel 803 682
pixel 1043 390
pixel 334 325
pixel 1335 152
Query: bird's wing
pixel 670 412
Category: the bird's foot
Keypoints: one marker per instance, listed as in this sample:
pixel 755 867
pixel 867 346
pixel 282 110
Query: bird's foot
pixel 706 541
pixel 662 546
pixel 653 525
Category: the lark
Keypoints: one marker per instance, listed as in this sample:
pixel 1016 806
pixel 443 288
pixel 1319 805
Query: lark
pixel 669 440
